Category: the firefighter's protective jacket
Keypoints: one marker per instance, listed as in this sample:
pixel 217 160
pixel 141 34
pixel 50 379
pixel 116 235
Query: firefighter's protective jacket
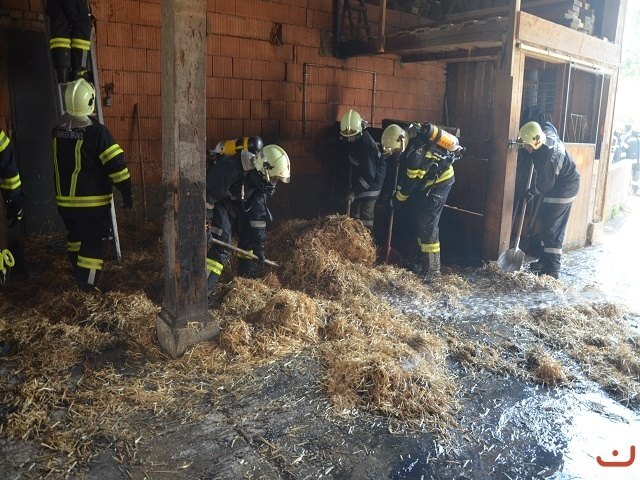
pixel 556 175
pixel 367 166
pixel 87 162
pixel 10 184
pixel 422 165
pixel 228 181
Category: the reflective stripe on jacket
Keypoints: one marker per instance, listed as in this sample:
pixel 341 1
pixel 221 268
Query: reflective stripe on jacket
pixel 421 166
pixel 87 162
pixel 10 183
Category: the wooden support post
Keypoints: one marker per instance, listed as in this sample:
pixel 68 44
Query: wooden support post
pixel 382 23
pixel 502 164
pixel 184 320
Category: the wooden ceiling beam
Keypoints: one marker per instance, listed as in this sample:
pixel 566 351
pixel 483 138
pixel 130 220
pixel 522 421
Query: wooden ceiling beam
pixel 472 55
pixel 489 32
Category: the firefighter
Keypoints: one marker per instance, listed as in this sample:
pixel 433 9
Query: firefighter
pixel 558 180
pixel 13 196
pixel 243 176
pixel 87 162
pixel 70 37
pixel 367 168
pixel 426 173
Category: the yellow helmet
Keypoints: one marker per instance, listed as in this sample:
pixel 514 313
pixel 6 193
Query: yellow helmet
pixel 394 138
pixel 273 163
pixel 531 134
pixel 79 98
pixel 351 125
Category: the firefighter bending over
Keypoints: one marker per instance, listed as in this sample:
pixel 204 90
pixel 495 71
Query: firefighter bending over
pixel 243 176
pixel 426 174
pixel 367 168
pixel 87 162
pixel 558 180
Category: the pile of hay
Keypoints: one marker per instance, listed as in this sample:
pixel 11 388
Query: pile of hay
pixel 326 257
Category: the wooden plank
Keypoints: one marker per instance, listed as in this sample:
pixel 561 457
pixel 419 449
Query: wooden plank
pixel 471 55
pixel 584 156
pixel 544 34
pixel 489 33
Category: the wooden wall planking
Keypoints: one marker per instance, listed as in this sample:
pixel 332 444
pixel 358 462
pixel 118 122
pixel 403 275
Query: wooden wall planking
pixel 584 155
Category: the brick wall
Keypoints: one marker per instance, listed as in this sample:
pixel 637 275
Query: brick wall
pixel 253 86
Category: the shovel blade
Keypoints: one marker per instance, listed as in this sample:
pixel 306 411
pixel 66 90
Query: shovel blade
pixel 389 257
pixel 394 258
pixel 511 260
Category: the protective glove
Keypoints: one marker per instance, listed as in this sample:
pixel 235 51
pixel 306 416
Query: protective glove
pixel 14 209
pixel 268 188
pixel 531 193
pixel 395 203
pixel 350 197
pixel 258 251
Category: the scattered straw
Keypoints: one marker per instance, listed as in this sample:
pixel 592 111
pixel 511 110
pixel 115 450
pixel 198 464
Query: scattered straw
pixel 86 370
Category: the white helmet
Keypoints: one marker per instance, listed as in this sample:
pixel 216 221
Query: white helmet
pixel 531 134
pixel 80 98
pixel 273 163
pixel 394 138
pixel 351 125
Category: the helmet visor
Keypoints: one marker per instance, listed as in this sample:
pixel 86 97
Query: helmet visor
pixel 350 136
pixel 282 179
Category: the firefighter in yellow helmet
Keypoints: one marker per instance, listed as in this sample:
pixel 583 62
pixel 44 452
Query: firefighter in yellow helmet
pixel 242 176
pixel 558 180
pixel 367 168
pixel 11 188
pixel 87 163
pixel 427 154
pixel 70 37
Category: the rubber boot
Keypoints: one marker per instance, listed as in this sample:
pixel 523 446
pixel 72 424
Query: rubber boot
pixel 79 59
pixel 61 58
pixel 63 74
pixel 212 281
pixel 429 266
pixel 85 284
pixel 248 268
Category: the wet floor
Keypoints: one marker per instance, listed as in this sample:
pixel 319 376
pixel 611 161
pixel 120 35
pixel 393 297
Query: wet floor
pixel 613 266
pixel 530 432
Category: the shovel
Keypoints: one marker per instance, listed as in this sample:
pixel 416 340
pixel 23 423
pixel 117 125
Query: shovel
pixel 239 250
pixel 511 260
pixel 391 255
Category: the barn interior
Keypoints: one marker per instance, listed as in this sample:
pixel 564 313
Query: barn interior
pixel 174 79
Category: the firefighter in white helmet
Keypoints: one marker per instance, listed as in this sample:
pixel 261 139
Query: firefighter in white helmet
pixel 558 180
pixel 238 185
pixel 87 163
pixel 367 168
pixel 426 175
